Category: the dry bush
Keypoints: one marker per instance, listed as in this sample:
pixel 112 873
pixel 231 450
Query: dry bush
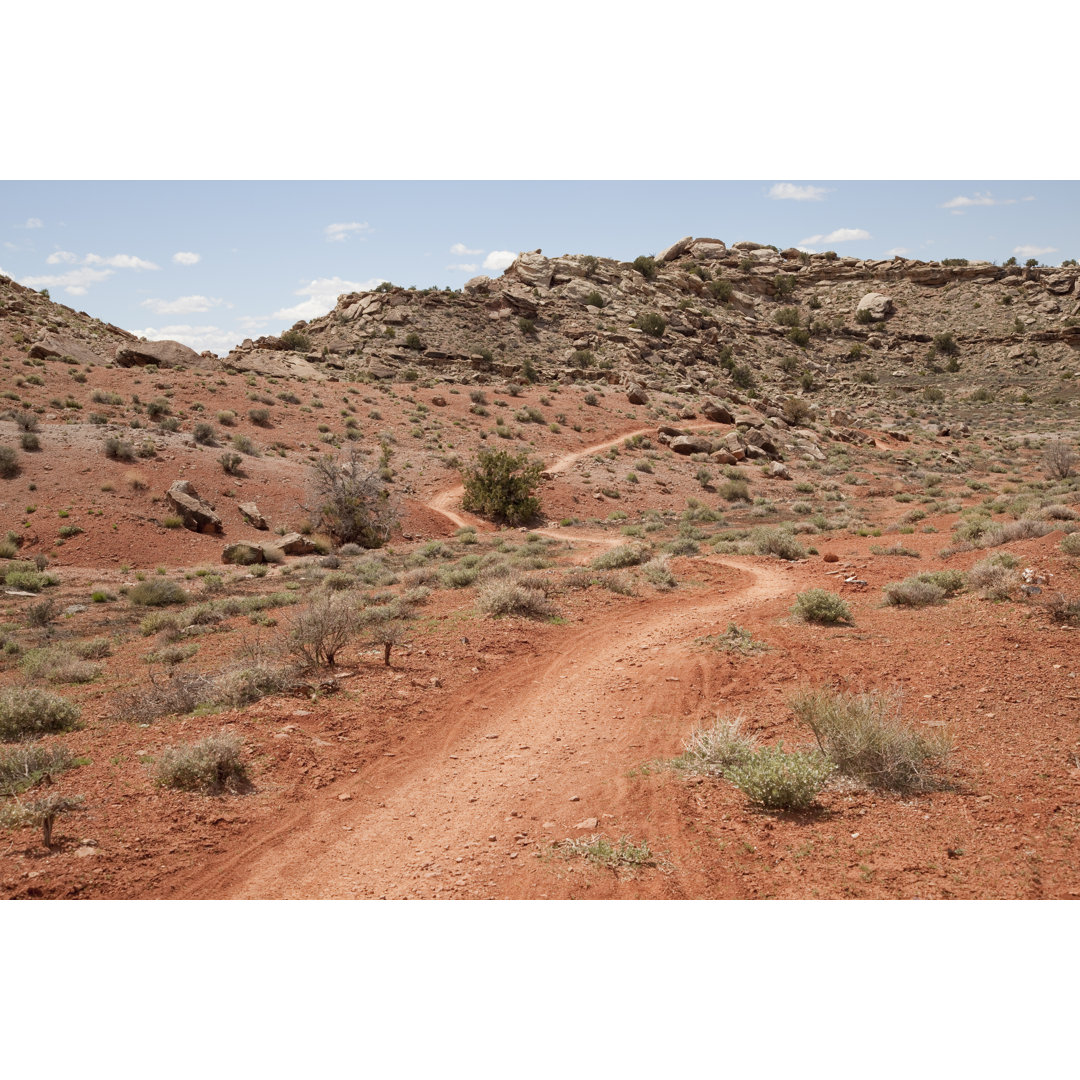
pixel 352 504
pixel 716 749
pixel 93 649
pixel 1059 460
pixel 212 766
pixel 56 664
pixel 1024 529
pixel 157 592
pixel 179 693
pixel 322 629
pixel 657 572
pixel 1070 545
pixel 623 555
pixel 509 596
pixel 24 766
pixel 779 543
pixel 387 633
pixel 993 579
pixel 27 712
pixel 913 592
pixel 866 738
pixel 1062 609
pixel 821 606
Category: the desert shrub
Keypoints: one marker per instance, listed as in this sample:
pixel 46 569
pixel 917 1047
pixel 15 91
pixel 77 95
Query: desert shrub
pixel 25 420
pixel 797 410
pixel 41 614
pixel 502 486
pixel 1070 545
pixel 784 285
pixel 735 639
pixel 1059 460
pixel 646 266
pixel 800 335
pixel 821 606
pixel 9 463
pixel 787 316
pixel 992 579
pixel 735 491
pixel 509 596
pixel 913 592
pixel 248 683
pixel 212 766
pixel 650 323
pixel 779 543
pixel 29 441
pixel 1007 532
pixel 717 749
pixel 205 434
pixel 231 463
pixel 615 558
pixel 42 812
pixel 682 545
pixel 863 316
pixel 387 633
pixel 949 581
pixel 594 299
pixel 244 445
pixel 259 416
pixel 55 663
pixel 117 449
pixel 657 572
pixel 946 344
pixel 867 739
pixel 322 629
pixel 176 694
pixel 720 289
pixel 22 767
pixel 157 592
pixel 27 712
pixel 295 340
pixel 780 780
pixel 351 502
pixel 623 853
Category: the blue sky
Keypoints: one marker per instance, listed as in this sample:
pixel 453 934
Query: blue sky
pixel 210 263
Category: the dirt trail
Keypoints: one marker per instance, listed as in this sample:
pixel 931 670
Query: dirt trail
pixel 526 755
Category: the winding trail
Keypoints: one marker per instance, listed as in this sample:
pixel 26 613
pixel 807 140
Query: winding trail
pixel 526 755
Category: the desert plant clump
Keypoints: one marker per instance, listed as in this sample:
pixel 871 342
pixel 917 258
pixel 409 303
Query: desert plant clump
pixel 821 606
pixel 510 596
pixel 322 629
pixel 57 664
pixel 177 694
pixel 867 739
pixel 735 639
pixel 117 449
pixel 779 543
pixel 657 572
pixel 1059 460
pixel 1070 544
pixel 24 766
pixel 777 779
pixel 994 578
pixel 913 592
pixel 502 486
pixel 42 812
pixel 597 849
pixel 646 266
pixel 211 766
pixel 9 463
pixel 27 712
pixel 632 554
pixel 715 750
pixel 650 323
pixel 351 502
pixel 157 592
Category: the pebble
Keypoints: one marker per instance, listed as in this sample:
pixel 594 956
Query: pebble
pixel 344 798
pixel 575 798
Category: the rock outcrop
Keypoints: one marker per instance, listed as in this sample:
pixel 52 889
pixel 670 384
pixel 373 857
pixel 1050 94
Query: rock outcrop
pixel 196 513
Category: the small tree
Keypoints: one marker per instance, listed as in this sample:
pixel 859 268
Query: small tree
pixel 322 629
pixel 501 485
pixel 388 633
pixel 43 812
pixel 352 503
pixel 1059 460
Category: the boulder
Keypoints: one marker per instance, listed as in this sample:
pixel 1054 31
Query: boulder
pixel 197 514
pixel 580 289
pixel 636 395
pixel 251 515
pixel 713 410
pixel 162 353
pixel 779 471
pixel 480 284
pixel 294 544
pixel 242 554
pixel 723 457
pixel 691 444
pixel 1059 285
pixel 669 431
pixel 439 401
pixel 57 345
pixel 745 245
pixel 879 306
pixel 532 268
pixel 680 247
pixel 706 248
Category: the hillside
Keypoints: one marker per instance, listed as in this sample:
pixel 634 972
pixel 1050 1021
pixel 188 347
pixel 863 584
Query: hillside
pixel 720 429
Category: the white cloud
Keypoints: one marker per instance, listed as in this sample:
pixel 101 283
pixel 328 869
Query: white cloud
pixel 793 191
pixel 322 294
pixel 461 249
pixel 340 231
pixel 1028 198
pixel 898 251
pixel 499 260
pixel 186 258
pixel 120 262
pixel 983 199
pixel 62 257
pixel 198 338
pixel 464 268
pixel 32 223
pixel 182 305
pixel 837 236
pixel 1030 251
pixel 74 281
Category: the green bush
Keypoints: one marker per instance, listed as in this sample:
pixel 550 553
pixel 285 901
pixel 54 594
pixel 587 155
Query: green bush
pixel 866 738
pixel 502 486
pixel 787 316
pixel 650 323
pixel 657 572
pixel 623 555
pixel 946 344
pixel 27 712
pixel 412 341
pixel 735 491
pixel 157 592
pixel 1070 545
pixel 821 606
pixel 864 316
pixel 779 543
pixel 781 780
pixel 913 592
pixel 646 266
pixel 117 449
pixel 25 766
pixel 507 596
pixel 212 766
pixel 594 299
pixel 9 463
pixel 721 289
pixel 295 340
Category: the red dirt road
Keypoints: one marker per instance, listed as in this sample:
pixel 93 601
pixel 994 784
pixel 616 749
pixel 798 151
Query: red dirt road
pixel 525 755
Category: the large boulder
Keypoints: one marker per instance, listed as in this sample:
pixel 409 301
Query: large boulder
pixel 691 444
pixel 195 512
pixel 243 554
pixel 720 414
pixel 580 289
pixel 295 544
pixel 680 247
pixel 532 268
pixel 706 248
pixel 636 395
pixel 162 353
pixel 50 346
pixel 480 284
pixel 878 305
